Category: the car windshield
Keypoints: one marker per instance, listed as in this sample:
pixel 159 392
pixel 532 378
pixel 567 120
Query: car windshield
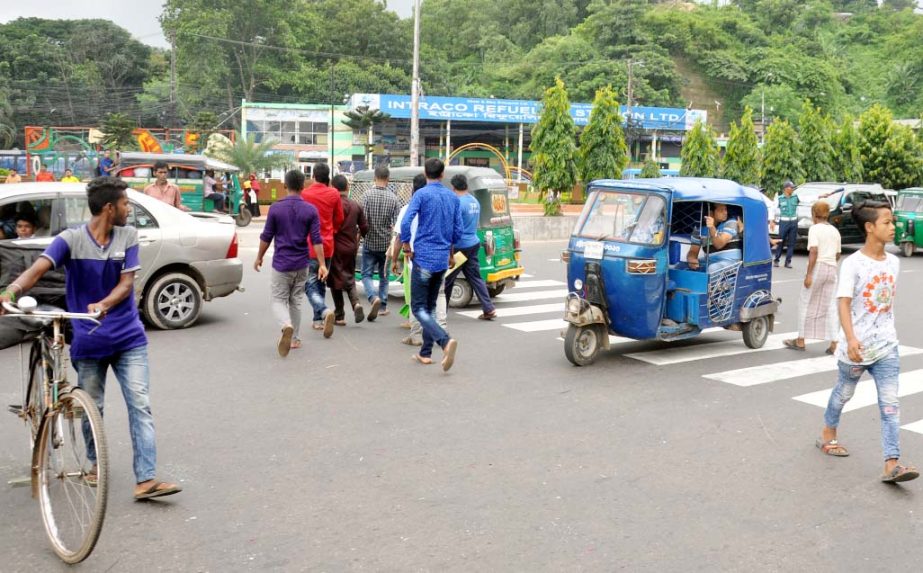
pixel 626 217
pixel 812 194
pixel 912 203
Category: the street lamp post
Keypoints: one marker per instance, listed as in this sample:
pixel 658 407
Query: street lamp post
pixel 415 89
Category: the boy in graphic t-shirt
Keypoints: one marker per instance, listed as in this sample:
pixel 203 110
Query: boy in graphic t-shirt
pixel 868 340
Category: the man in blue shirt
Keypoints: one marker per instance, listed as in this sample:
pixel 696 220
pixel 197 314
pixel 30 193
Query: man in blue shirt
pixel 100 260
pixel 470 245
pixel 439 226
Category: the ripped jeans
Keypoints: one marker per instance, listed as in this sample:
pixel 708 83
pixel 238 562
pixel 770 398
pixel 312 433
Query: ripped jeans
pixel 424 292
pixel 885 372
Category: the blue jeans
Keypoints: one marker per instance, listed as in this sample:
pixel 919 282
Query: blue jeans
pixel 316 290
pixel 885 372
pixel 375 262
pixel 424 292
pixel 788 232
pixel 131 370
pixel 472 272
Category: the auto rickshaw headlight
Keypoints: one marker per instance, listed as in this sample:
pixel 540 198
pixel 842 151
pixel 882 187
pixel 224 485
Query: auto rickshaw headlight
pixel 578 284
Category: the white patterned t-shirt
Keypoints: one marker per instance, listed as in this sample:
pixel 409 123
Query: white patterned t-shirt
pixel 871 284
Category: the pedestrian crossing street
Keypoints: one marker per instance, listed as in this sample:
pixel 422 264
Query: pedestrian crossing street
pixel 537 306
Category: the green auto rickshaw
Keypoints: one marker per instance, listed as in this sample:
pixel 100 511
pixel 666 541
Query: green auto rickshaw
pixel 187 172
pixel 500 247
pixel 908 220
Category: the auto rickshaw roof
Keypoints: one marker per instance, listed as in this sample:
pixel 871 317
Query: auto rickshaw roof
pixel 688 188
pixel 911 191
pixel 134 158
pixel 478 177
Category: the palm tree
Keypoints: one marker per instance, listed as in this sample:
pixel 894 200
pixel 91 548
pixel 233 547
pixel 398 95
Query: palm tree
pixel 363 118
pixel 250 156
pixel 119 129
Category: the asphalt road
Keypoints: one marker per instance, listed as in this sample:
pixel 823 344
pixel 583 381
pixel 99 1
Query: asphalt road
pixel 349 456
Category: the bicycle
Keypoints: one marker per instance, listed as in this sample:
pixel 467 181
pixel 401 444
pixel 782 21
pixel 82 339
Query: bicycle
pixel 70 458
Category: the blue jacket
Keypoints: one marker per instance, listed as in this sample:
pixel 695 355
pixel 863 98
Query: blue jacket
pixel 439 226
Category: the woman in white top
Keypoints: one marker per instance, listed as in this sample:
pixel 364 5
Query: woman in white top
pixel 817 317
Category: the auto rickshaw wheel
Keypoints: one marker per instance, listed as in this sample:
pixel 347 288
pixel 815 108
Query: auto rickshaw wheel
pixel 907 248
pixel 756 331
pixel 496 291
pixel 461 295
pixel 244 216
pixel 582 343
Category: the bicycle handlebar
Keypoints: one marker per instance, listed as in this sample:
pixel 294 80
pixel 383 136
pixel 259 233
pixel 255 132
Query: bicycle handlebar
pixel 14 310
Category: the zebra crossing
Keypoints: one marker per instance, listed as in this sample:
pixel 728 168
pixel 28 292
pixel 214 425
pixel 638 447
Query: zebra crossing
pixel 537 306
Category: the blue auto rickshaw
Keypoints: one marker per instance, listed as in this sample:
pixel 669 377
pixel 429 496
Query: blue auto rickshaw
pixel 642 264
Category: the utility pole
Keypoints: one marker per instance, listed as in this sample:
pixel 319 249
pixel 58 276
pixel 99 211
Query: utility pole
pixel 415 89
pixel 172 78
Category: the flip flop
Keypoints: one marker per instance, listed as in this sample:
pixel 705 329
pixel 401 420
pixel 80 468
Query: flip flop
pixel 156 491
pixel 790 343
pixel 900 473
pixel 425 361
pixel 373 311
pixel 285 343
pixel 296 343
pixel 341 323
pixel 831 448
pixel 328 324
pixel 488 315
pixel 359 313
pixel 449 359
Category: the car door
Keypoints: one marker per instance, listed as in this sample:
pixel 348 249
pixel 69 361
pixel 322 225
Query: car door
pixel 74 211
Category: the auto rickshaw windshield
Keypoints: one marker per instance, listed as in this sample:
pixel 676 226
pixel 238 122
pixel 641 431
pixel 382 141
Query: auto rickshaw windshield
pixel 624 217
pixel 910 203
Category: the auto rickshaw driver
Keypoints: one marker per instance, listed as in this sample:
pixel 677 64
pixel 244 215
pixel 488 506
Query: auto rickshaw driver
pixel 723 237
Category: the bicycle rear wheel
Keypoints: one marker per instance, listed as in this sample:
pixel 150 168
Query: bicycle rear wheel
pixel 73 507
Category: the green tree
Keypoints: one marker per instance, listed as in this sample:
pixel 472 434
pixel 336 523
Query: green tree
pixel 781 157
pixel 741 161
pixel 651 169
pixel 553 148
pixel 364 119
pixel 252 157
pixel 817 151
pixel 903 160
pixel 119 129
pixel 699 152
pixel 603 153
pixel 876 126
pixel 847 161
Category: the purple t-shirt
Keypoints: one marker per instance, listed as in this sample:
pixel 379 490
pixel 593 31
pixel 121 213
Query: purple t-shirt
pixel 91 272
pixel 290 221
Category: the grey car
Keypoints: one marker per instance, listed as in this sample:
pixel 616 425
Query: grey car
pixel 185 258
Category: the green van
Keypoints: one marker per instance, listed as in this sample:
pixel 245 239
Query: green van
pixel 500 247
pixel 908 220
pixel 187 172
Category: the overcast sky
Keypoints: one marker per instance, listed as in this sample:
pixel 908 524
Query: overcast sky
pixel 137 16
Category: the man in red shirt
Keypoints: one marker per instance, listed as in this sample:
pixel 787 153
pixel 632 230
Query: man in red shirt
pixel 327 201
pixel 44 175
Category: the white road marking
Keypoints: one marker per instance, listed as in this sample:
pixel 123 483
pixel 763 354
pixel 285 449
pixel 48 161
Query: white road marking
pixel 756 375
pixel 914 427
pixel 614 340
pixel 503 312
pixel 708 350
pixel 866 394
pixel 538 325
pixel 531 295
pixel 538 284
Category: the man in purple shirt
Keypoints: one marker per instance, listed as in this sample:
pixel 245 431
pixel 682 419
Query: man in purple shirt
pixel 290 221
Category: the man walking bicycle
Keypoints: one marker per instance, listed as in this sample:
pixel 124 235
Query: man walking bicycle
pixel 100 261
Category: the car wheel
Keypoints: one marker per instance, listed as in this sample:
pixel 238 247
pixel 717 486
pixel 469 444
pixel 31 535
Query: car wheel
pixel 172 301
pixel 582 343
pixel 462 294
pixel 907 248
pixel 244 216
pixel 756 331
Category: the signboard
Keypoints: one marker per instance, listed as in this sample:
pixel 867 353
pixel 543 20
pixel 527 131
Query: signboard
pixel 518 111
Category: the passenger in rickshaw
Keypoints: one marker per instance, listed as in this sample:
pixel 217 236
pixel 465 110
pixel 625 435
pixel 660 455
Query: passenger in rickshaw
pixel 724 239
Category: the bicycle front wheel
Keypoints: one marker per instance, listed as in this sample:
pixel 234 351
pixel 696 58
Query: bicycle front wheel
pixel 73 474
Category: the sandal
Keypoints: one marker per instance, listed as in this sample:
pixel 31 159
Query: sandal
pixel 831 448
pixel 900 473
pixel 341 323
pixel 285 342
pixel 488 315
pixel 158 489
pixel 792 344
pixel 92 477
pixel 424 360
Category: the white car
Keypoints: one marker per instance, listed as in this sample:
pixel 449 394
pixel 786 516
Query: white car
pixel 185 259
